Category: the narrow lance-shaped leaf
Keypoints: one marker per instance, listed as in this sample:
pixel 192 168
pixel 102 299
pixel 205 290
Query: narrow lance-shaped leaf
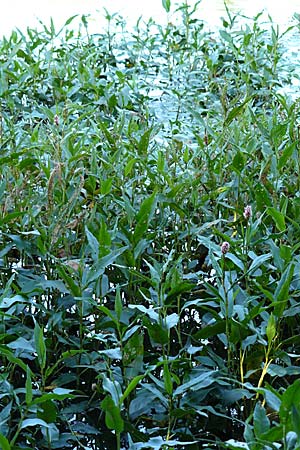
pixel 168 379
pixel 113 419
pixel 28 386
pixel 166 5
pixel 271 328
pixel 278 217
pixel 4 444
pixel 40 345
pixel 118 303
pixel 93 243
pixel 281 294
pixel 132 385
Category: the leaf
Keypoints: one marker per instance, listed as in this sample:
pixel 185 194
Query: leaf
pixel 112 353
pixel 167 379
pixel 289 398
pixel 226 36
pixel 93 243
pixel 271 328
pixel 157 332
pixel 113 388
pixel 72 285
pixel 237 109
pixel 144 141
pixel 258 261
pixel 166 5
pixel 113 419
pixel 281 294
pixel 48 411
pixel 296 419
pixel 118 304
pixel 278 217
pixel 129 166
pixel 5 445
pixel 40 345
pixel 10 356
pixel 211 330
pixel 286 155
pixel 261 422
pixel 132 385
pixel 28 386
pixel 206 378
pixel 57 394
pixel 171 320
pixel 21 344
pixel 143 217
pixel 99 267
pixel 33 423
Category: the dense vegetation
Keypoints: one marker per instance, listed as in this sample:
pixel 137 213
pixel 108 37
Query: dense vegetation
pixel 150 224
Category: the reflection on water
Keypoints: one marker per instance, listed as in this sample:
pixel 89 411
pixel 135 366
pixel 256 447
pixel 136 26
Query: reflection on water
pixel 20 13
pixel 281 12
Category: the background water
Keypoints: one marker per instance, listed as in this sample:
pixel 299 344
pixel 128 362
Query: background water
pixel 21 13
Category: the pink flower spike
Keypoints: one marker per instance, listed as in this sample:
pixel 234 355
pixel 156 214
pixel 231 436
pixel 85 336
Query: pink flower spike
pixel 225 247
pixel 247 212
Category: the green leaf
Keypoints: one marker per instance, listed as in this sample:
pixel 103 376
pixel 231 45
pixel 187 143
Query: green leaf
pixel 237 109
pixel 113 419
pixel 157 332
pixel 106 186
pixel 129 166
pixel 271 328
pixel 238 161
pixel 289 398
pixel 166 5
pixel 167 379
pixel 58 394
pixel 48 411
pixel 211 330
pixel 144 141
pixel 93 243
pixel 261 422
pixel 28 386
pixel 143 217
pixel 5 445
pixel 296 419
pixel 206 378
pixel 131 386
pixel 259 261
pixel 11 358
pixel 40 345
pixel 278 217
pixel 226 36
pixel 113 388
pixel 281 294
pixel 72 285
pixel 286 155
pixel 99 267
pixel 118 303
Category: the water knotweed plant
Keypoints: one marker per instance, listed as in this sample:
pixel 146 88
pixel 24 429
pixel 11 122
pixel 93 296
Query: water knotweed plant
pixel 149 257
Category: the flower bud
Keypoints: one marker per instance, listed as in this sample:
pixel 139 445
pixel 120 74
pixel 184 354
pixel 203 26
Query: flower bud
pixel 247 212
pixel 56 120
pixel 225 247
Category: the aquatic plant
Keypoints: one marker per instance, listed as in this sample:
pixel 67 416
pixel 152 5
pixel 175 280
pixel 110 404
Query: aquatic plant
pixel 149 256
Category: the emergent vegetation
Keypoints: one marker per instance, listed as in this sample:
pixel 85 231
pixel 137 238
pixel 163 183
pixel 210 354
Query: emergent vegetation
pixel 150 224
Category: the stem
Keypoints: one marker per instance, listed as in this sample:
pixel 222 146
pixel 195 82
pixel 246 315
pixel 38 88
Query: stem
pixel 118 437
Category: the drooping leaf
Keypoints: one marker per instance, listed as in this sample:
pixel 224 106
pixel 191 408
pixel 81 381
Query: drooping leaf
pixel 113 419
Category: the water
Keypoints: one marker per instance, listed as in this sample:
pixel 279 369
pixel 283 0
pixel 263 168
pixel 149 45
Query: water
pixel 20 13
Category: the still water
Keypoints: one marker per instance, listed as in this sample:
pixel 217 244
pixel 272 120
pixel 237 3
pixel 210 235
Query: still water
pixel 20 13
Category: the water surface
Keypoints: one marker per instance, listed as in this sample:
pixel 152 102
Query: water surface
pixel 20 13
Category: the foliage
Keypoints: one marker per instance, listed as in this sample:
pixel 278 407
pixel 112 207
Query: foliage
pixel 127 160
